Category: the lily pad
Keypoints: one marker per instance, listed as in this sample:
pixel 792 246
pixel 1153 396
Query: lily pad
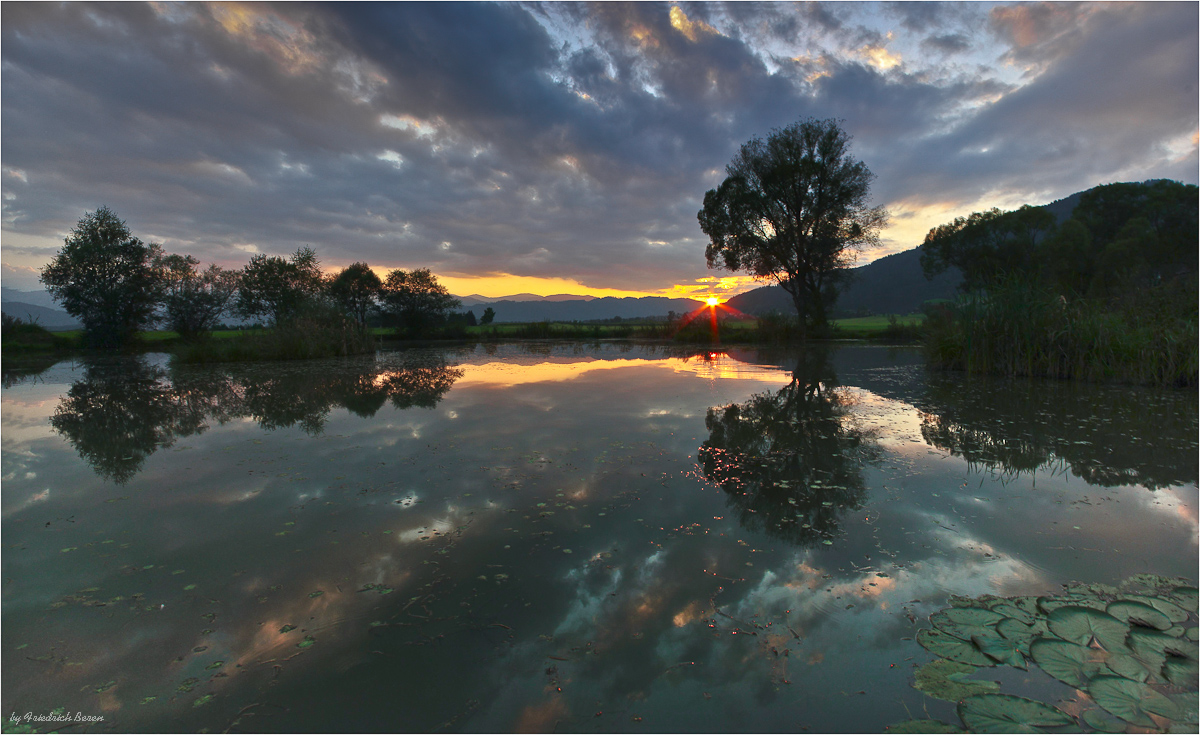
pixel 1008 713
pixel 1132 701
pixel 952 648
pixel 1080 625
pixel 1070 663
pixel 964 622
pixel 1138 613
pixel 1182 672
pixel 1021 634
pixel 1098 719
pixel 1185 597
pixel 1174 612
pixel 947 680
pixel 1147 643
pixel 1127 666
pixel 1050 604
pixel 1192 633
pixel 1000 650
pixel 1016 613
pixel 1187 704
pixel 1026 604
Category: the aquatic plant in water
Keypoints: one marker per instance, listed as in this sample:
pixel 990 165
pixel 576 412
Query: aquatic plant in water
pixel 1130 652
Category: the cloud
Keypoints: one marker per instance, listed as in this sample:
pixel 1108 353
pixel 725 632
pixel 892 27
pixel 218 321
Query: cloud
pixel 555 141
pixel 947 43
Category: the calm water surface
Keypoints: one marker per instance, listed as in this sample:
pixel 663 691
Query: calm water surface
pixel 595 538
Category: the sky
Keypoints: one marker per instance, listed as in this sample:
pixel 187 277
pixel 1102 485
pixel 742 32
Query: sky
pixel 558 148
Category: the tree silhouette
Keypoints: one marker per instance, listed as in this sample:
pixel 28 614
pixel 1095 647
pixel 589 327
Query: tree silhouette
pixel 415 300
pixel 106 278
pixel 194 301
pixel 356 289
pixel 279 288
pixel 794 209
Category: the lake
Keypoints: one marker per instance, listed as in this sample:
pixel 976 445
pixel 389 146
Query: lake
pixel 547 537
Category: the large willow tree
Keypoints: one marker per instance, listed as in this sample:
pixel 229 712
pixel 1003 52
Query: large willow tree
pixel 794 209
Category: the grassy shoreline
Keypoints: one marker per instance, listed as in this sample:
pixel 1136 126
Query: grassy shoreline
pixel 300 343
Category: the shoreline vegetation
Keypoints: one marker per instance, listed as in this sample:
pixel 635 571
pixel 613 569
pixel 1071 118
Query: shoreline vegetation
pixel 304 339
pixel 1098 287
pixel 1105 291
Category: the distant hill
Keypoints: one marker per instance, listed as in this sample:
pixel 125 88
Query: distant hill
pixel 51 319
pixel 474 299
pixel 37 298
pixel 581 310
pixel 894 284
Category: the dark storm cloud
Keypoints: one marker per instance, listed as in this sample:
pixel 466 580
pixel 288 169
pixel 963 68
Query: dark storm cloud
pixel 947 43
pixel 549 140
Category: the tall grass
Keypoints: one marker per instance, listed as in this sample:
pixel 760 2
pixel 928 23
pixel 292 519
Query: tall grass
pixel 18 335
pixel 1020 328
pixel 306 337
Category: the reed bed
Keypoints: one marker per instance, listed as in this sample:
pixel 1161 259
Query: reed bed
pixel 1021 329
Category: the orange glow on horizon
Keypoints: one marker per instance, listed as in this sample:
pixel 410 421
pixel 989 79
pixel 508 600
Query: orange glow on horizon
pixel 712 301
pixel 498 285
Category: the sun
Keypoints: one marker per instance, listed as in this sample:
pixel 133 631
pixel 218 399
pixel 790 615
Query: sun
pixel 712 301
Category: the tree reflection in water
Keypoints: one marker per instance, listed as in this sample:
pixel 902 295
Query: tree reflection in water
pixel 791 461
pixel 122 410
pixel 1100 432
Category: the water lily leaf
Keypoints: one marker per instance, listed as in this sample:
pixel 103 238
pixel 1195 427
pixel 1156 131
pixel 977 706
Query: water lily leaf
pixel 1174 612
pixel 1127 666
pixel 1016 613
pixel 1137 613
pixel 1090 589
pixel 1150 644
pixel 1187 704
pixel 1081 624
pixel 947 680
pixel 1098 719
pixel 952 648
pixel 1020 634
pixel 1026 604
pixel 1008 713
pixel 1132 701
pixel 999 649
pixel 1182 672
pixel 919 726
pixel 1070 663
pixel 1185 597
pixel 964 622
pixel 1192 633
pixel 1049 604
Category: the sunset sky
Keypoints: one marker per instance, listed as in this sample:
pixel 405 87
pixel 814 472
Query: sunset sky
pixel 553 148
